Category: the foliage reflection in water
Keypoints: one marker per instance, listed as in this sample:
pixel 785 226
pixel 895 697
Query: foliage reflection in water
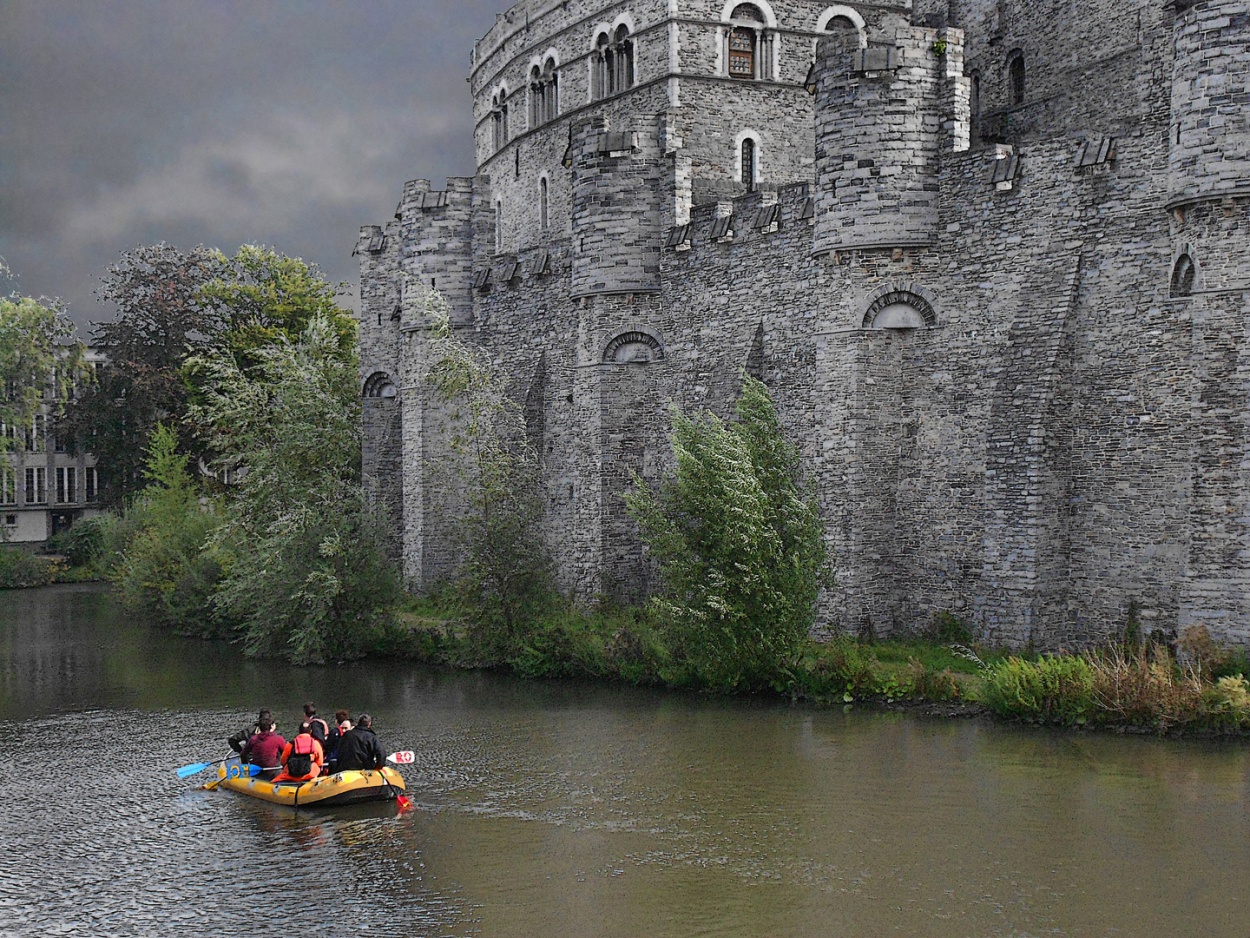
pixel 558 809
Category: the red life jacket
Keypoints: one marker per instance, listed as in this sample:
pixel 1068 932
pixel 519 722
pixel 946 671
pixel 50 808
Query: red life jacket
pixel 300 762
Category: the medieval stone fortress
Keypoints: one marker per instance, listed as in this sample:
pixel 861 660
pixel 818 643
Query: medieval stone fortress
pixel 991 258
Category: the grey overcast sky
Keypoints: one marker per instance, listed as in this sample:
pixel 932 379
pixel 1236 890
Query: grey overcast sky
pixel 288 123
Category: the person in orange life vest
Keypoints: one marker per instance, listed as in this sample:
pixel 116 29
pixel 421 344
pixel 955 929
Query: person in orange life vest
pixel 263 749
pixel 320 728
pixel 302 757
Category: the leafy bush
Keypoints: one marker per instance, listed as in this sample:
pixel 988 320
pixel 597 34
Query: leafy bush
pixel 505 581
pixel 167 570
pixel 1146 687
pixel 740 546
pixel 22 568
pixel 83 544
pixel 1226 703
pixel 1053 689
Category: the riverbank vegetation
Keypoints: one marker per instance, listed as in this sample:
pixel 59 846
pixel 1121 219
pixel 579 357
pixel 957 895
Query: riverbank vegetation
pixel 232 386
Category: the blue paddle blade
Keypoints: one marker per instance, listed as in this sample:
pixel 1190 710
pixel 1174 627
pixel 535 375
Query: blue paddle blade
pixel 193 768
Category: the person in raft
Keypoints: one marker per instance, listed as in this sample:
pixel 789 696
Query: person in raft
pixel 264 749
pixel 359 748
pixel 239 739
pixel 341 726
pixel 320 728
pixel 302 757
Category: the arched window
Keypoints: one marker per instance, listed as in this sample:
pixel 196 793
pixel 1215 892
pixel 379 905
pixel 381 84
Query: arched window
pixel 379 384
pixel 542 203
pixel 622 71
pixel 748 44
pixel 599 67
pixel 551 99
pixel 1015 76
pixel 544 93
pixel 1184 272
pixel 843 18
pixel 748 165
pixel 893 308
pixel 499 117
pixel 536 97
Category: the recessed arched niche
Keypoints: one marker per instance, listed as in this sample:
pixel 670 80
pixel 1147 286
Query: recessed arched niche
pixel 633 348
pixel 1184 273
pixel 899 309
pixel 379 384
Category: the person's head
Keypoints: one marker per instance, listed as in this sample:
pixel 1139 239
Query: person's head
pixel 264 725
pixel 304 728
pixel 340 716
pixel 263 716
pixel 364 721
pixel 309 709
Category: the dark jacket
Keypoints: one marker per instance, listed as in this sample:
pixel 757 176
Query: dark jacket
pixel 239 739
pixel 359 749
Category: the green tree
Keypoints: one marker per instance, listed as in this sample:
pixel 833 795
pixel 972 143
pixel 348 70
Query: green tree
pixel 506 576
pixel 160 316
pixel 37 349
pixel 307 577
pixel 169 567
pixel 739 543
pixel 260 297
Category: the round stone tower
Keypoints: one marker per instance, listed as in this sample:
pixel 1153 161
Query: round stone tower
pixel 1209 146
pixel 878 134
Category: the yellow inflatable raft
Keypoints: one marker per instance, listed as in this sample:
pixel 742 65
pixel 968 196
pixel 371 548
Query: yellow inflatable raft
pixel 328 791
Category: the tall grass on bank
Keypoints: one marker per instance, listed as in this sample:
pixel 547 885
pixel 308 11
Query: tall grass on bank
pixel 1140 687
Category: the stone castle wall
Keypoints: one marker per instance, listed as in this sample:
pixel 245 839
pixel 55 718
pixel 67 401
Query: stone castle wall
pixel 1008 338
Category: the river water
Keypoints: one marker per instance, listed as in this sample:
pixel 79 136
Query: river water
pixel 574 810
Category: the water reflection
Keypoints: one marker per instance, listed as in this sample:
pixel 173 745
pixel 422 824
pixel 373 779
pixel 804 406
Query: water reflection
pixel 564 809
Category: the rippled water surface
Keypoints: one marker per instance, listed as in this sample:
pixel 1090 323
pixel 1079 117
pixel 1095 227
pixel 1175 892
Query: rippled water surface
pixel 570 810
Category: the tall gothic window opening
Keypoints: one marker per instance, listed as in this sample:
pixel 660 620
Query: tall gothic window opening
pixel 542 203
pixel 599 68
pixel 1015 76
pixel 544 93
pixel 1183 275
pixel 750 164
pixel 499 117
pixel 748 46
pixel 612 63
pixel 498 227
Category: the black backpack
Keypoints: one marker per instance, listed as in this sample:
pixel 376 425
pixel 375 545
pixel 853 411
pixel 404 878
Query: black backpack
pixel 299 764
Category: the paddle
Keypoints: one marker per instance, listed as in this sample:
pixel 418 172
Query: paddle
pixel 196 767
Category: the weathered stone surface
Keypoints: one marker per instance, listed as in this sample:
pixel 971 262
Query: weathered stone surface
pixel 1002 310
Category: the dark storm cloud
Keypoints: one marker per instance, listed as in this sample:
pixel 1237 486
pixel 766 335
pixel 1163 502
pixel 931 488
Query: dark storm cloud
pixel 284 122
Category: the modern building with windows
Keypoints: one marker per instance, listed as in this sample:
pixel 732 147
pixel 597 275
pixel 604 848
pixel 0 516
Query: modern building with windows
pixel 46 482
pixel 993 265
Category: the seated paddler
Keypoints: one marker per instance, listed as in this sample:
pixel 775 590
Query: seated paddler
pixel 302 757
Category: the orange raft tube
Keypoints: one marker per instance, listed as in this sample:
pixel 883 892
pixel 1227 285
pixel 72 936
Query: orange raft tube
pixel 327 791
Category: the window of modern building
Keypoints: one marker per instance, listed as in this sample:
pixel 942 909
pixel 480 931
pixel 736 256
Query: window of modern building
pixel 37 434
pixel 92 481
pixel 66 485
pixel 8 486
pixel 1015 76
pixel 748 44
pixel 36 485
